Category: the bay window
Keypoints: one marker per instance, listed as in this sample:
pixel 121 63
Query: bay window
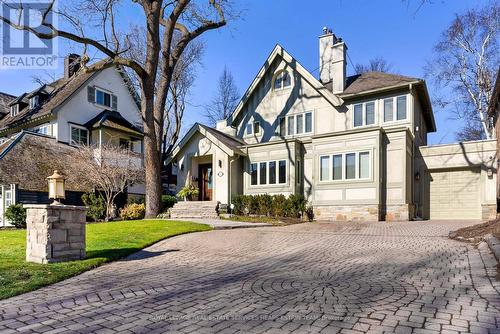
pixel 364 114
pixel 79 135
pixel 401 106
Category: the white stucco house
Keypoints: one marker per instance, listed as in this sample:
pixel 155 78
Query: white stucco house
pixel 53 120
pixel 354 146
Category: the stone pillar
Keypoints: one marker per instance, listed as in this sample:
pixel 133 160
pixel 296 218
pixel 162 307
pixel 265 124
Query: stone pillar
pixel 55 233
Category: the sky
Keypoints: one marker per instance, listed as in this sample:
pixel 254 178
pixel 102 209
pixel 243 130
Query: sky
pixel 399 31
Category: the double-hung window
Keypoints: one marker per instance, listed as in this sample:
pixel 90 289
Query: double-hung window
pixel 268 172
pixel 102 98
pixel 253 128
pixel 345 166
pixel 364 114
pixel 14 110
pixel 400 113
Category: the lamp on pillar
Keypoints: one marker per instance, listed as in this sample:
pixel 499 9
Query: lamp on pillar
pixel 56 187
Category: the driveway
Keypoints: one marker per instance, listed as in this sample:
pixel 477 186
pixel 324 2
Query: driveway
pixel 321 278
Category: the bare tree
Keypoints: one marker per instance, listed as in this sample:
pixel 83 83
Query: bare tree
pixel 162 20
pixel 464 67
pixel 225 100
pixel 377 64
pixel 110 169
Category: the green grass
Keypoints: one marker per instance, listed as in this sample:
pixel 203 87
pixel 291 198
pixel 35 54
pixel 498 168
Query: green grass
pixel 105 242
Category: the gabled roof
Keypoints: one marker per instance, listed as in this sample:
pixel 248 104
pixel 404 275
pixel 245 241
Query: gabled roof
pixel 62 89
pixel 29 158
pixel 113 119
pixel 369 81
pixel 229 144
pixel 58 92
pixel 279 51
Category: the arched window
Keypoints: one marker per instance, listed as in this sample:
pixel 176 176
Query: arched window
pixel 282 80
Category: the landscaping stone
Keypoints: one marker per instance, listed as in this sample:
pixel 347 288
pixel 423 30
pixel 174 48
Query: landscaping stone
pixel 55 233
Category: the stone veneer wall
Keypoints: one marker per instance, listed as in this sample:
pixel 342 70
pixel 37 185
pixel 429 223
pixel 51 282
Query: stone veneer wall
pixel 488 211
pixel 55 233
pixel 399 212
pixel 345 213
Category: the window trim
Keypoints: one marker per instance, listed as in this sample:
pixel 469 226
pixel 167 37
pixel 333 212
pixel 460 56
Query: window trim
pixel 14 109
pixel 34 101
pixel 363 114
pixel 395 109
pixel 76 126
pixel 277 174
pixel 104 91
pixel 344 169
pixel 295 126
pixel 282 87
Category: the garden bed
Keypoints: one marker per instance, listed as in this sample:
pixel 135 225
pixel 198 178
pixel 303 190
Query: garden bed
pixel 476 233
pixel 106 242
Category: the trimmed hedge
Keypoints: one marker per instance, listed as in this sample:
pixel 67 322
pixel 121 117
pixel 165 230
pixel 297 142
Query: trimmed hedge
pixel 271 205
pixel 167 201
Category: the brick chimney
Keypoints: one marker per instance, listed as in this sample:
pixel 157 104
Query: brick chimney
pixel 71 65
pixel 332 60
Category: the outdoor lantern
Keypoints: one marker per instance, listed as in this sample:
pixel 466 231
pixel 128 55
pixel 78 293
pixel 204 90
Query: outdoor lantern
pixel 56 187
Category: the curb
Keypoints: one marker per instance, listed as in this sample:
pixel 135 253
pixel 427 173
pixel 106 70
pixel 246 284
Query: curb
pixel 232 227
pixel 494 245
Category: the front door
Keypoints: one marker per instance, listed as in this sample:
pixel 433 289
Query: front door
pixel 205 183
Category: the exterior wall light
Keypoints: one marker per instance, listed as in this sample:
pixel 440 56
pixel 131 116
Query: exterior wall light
pixel 489 172
pixel 56 187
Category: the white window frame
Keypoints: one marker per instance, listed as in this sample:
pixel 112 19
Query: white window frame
pixel 46 126
pixel 395 109
pixel 267 184
pixel 344 157
pixel 97 89
pixel 34 101
pixel 14 110
pixel 71 126
pixel 363 113
pixel 282 87
pixel 295 125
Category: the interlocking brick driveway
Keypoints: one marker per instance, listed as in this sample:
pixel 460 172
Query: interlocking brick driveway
pixel 328 278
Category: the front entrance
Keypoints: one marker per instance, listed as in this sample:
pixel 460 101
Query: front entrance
pixel 205 182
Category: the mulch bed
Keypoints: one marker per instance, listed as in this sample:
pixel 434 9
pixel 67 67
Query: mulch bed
pixel 475 233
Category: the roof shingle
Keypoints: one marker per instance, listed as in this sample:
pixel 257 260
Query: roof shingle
pixel 374 80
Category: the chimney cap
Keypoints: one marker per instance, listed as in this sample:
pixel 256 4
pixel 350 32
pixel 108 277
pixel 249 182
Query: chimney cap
pixel 327 30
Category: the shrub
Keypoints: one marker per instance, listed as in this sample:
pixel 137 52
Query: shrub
pixel 167 201
pixel 278 206
pixel 133 211
pixel 188 192
pixel 16 214
pixel 96 206
pixel 295 206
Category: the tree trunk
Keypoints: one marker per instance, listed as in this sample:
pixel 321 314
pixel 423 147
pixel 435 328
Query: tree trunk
pixel 152 164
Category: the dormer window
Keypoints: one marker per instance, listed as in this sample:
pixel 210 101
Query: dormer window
pixel 282 80
pixel 34 101
pixel 14 110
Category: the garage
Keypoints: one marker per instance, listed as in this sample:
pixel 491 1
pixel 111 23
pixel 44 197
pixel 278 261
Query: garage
pixel 455 194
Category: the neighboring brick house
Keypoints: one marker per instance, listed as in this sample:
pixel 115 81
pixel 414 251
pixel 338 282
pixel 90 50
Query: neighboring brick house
pixel 354 146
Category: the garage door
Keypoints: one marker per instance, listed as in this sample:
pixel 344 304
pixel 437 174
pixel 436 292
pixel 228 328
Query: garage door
pixel 454 194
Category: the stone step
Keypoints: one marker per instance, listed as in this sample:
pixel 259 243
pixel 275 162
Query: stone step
pixel 194 209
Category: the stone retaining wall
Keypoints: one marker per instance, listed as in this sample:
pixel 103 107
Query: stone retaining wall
pixel 346 213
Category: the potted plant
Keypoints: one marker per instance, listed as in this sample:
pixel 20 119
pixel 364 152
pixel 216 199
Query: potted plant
pixel 188 192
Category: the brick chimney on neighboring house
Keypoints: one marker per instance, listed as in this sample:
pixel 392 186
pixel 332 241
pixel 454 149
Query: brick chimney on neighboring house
pixel 332 61
pixel 71 65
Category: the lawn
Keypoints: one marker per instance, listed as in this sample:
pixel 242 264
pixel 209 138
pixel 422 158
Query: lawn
pixel 105 242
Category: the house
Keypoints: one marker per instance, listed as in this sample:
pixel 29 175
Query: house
pixel 40 129
pixel 350 144
pixel 493 110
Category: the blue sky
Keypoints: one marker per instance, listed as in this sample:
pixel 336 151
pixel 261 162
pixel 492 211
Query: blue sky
pixel 392 29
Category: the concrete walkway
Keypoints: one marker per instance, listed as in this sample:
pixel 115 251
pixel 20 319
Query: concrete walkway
pixel 306 278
